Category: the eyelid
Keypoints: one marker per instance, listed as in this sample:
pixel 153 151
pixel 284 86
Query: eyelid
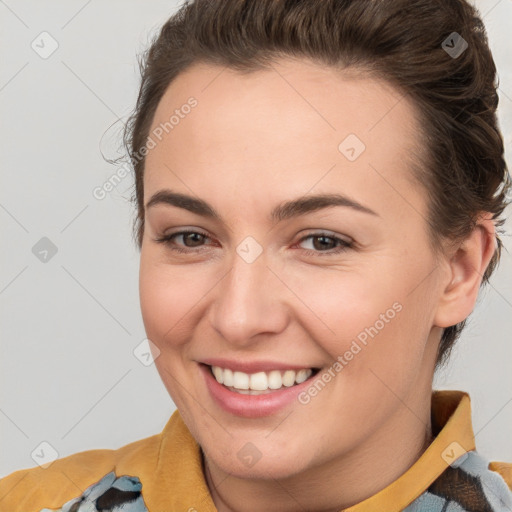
pixel 185 231
pixel 327 233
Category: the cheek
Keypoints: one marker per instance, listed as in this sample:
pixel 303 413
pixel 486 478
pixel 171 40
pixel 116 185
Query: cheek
pixel 168 300
pixel 368 317
pixel 339 304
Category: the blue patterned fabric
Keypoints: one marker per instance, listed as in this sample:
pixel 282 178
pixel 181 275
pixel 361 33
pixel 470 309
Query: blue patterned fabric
pixel 110 494
pixel 467 485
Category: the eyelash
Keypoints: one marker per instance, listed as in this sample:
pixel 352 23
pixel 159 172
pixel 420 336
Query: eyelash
pixel 343 244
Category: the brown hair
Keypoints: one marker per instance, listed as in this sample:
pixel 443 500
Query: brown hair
pixel 406 42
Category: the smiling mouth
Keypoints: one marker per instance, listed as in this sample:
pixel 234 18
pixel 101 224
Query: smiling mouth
pixel 261 382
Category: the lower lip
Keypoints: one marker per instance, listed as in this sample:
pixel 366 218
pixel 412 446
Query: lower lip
pixel 251 406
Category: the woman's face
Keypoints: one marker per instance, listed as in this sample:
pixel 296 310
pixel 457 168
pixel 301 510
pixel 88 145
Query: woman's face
pixel 309 251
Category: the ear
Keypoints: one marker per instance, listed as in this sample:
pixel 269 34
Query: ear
pixel 466 268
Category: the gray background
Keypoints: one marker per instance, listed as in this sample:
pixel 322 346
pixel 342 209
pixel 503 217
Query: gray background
pixel 69 325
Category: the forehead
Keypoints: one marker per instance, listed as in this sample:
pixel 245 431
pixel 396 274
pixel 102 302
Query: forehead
pixel 298 124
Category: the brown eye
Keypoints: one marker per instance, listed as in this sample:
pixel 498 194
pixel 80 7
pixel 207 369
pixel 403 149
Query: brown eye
pixel 183 240
pixel 324 243
pixel 192 239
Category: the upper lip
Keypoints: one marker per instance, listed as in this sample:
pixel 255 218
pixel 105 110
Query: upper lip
pixel 253 366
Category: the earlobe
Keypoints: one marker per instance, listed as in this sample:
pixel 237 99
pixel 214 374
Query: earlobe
pixel 465 271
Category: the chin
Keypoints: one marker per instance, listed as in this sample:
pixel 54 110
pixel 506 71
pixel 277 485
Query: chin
pixel 263 471
pixel 249 464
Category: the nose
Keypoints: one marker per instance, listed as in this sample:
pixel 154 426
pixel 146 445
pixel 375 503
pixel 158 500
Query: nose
pixel 249 301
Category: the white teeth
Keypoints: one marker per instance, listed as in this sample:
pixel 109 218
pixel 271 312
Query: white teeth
pixel 289 378
pixel 301 376
pixel 262 381
pixel 258 381
pixel 227 377
pixel 274 379
pixel 240 380
pixel 218 374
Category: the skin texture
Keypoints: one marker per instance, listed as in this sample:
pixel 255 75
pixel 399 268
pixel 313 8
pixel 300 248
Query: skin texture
pixel 252 142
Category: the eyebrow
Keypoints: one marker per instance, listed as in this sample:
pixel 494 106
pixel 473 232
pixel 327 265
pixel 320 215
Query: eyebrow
pixel 283 211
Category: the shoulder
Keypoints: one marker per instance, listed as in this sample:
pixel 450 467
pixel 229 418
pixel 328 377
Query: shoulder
pixel 504 469
pixel 38 488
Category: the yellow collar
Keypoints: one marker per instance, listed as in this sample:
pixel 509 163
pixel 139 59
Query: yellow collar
pixel 451 421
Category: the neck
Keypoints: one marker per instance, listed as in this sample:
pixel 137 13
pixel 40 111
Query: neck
pixel 341 482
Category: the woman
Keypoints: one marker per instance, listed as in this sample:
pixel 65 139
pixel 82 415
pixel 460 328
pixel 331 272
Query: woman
pixel 319 186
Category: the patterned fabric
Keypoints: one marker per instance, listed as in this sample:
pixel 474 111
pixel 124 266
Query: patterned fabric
pixel 467 485
pixel 110 494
